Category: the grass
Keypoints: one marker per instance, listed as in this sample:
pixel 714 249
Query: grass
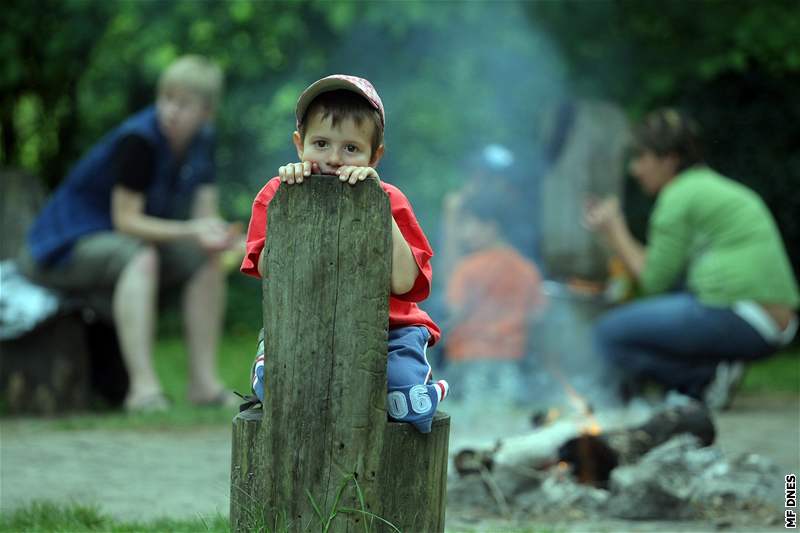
pixel 235 357
pixel 46 517
pixel 76 518
pixel 42 516
pixel 778 374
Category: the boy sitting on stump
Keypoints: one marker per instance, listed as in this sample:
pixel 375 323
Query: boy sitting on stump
pixel 340 126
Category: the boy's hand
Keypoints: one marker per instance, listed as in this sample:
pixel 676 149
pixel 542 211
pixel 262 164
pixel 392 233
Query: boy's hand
pixel 292 173
pixel 352 175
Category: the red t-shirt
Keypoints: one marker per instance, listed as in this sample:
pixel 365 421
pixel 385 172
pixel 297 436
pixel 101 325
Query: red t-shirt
pixel 403 308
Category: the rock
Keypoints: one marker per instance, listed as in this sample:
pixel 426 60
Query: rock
pixel 658 486
pixel 745 482
pixel 562 495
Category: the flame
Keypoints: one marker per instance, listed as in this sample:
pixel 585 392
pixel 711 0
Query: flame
pixel 562 466
pixel 592 426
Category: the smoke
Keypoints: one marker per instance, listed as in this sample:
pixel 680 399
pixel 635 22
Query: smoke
pixel 459 77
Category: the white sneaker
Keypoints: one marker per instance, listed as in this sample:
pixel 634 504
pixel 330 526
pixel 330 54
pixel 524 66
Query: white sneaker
pixel 719 393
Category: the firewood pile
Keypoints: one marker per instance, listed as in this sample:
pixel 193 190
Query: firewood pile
pixel 665 467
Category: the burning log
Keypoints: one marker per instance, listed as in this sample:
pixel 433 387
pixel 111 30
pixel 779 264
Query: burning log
pixel 590 455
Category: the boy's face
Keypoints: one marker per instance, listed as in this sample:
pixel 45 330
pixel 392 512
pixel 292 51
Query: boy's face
pixel 181 114
pixel 347 144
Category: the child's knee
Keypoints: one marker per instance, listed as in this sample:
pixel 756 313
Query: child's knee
pixel 416 404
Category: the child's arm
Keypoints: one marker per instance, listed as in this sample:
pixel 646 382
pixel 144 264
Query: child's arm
pixel 404 266
pixel 253 262
pixel 260 265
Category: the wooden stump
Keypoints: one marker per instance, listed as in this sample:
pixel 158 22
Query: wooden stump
pixel 412 479
pixel 46 371
pixel 413 476
pixel 322 452
pixel 66 362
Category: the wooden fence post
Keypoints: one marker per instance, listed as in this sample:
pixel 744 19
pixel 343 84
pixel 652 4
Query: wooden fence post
pixel 323 449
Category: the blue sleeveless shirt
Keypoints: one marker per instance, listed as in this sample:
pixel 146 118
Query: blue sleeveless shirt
pixel 82 203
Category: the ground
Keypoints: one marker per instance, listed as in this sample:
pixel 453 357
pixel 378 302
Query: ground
pixel 142 474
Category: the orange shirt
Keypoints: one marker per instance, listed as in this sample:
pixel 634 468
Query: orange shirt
pixel 493 293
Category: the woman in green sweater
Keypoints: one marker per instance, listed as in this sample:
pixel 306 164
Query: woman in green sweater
pixel 718 282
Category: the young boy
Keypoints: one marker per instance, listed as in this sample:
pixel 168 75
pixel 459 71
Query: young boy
pixel 492 296
pixel 340 126
pixel 138 213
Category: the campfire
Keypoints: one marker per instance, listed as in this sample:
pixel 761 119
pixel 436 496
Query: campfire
pixel 580 459
pixel 656 464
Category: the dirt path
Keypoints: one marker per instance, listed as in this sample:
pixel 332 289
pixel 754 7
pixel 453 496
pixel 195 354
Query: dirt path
pixel 143 475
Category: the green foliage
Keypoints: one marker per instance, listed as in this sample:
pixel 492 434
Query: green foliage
pixel 444 88
pixel 452 76
pixel 643 55
pixel 735 66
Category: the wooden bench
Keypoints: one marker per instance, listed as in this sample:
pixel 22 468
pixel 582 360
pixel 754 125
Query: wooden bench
pixel 321 448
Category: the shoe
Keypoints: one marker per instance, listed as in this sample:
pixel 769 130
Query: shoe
pixel 257 370
pixel 719 393
pixel 152 403
pixel 257 378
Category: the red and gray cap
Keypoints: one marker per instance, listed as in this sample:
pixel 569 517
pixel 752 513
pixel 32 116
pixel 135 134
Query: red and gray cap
pixel 340 81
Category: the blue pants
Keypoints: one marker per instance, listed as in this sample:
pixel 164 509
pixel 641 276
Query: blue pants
pixel 674 340
pixel 412 397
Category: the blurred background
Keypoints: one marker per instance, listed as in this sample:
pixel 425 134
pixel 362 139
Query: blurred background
pixel 453 76
pixel 557 84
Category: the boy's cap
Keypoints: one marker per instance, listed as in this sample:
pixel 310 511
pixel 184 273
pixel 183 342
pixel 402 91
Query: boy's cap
pixel 340 81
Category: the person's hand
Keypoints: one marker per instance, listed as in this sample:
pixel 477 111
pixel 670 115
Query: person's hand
pixel 213 234
pixel 602 215
pixel 353 175
pixel 232 257
pixel 292 173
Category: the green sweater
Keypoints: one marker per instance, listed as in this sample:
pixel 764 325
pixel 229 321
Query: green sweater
pixel 721 236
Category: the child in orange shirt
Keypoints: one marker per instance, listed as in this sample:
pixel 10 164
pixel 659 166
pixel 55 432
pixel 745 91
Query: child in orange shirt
pixel 492 296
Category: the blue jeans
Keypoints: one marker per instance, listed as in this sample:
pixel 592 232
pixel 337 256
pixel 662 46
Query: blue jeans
pixel 412 397
pixel 674 340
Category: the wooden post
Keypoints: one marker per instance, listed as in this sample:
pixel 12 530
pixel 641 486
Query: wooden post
pixel 323 449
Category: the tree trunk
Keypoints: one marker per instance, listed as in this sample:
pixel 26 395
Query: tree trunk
pixel 320 454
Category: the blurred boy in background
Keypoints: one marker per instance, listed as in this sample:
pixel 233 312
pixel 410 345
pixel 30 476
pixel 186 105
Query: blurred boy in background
pixel 493 296
pixel 138 214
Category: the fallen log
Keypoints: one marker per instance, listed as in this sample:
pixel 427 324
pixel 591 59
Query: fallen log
pixel 589 458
